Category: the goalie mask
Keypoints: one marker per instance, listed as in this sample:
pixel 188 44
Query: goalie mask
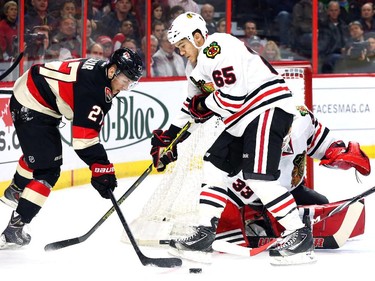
pixel 185 25
pixel 128 63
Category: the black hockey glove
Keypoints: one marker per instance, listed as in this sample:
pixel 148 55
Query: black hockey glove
pixel 198 109
pixel 103 178
pixel 159 141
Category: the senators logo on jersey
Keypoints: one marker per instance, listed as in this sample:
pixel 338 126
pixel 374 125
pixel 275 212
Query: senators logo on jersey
pixel 213 50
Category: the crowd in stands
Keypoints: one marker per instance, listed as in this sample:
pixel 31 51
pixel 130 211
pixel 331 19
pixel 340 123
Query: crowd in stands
pixel 276 29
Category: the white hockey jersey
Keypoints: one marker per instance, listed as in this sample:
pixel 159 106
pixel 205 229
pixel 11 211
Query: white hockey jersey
pixel 307 137
pixel 240 84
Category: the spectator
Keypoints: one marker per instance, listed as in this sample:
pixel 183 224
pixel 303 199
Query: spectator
pixel 250 30
pixel 126 32
pixel 167 61
pixel 302 28
pixel 107 44
pixel 221 25
pixel 332 38
pixel 66 38
pixel 271 51
pixel 38 47
pixel 130 44
pixel 89 28
pixel 158 28
pixel 370 38
pixel 174 12
pixel 158 12
pixel 282 17
pixel 207 13
pixel 349 11
pixel 68 7
pixel 110 24
pixel 154 45
pixel 187 5
pixel 98 9
pixel 38 15
pixel 9 30
pixel 367 17
pixel 354 59
pixel 255 43
pixel 95 51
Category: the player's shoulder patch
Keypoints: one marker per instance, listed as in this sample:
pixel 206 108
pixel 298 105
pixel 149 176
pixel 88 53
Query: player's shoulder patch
pixel 302 110
pixel 212 50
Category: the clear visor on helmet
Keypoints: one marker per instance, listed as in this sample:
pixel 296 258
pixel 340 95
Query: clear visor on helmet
pixel 127 83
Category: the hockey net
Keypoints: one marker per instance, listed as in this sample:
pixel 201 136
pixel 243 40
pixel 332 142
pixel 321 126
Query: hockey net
pixel 173 208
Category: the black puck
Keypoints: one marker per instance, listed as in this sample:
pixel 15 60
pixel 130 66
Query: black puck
pixel 195 270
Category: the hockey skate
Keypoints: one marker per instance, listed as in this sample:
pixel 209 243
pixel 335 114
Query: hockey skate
pixel 294 248
pixel 14 235
pixel 11 195
pixel 197 247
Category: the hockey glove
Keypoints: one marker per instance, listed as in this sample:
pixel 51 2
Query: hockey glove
pixel 198 109
pixel 103 178
pixel 340 157
pixel 159 141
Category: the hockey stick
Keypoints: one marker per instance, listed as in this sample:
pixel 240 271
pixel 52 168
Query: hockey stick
pixel 159 262
pixel 72 241
pixel 12 67
pixel 230 248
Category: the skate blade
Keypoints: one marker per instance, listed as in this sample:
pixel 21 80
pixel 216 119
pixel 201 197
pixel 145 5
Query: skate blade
pixel 4 245
pixel 197 256
pixel 8 202
pixel 302 258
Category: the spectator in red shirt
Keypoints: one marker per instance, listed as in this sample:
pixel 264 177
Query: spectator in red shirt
pixel 8 30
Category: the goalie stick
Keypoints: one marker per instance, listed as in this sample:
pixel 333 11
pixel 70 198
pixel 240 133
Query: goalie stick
pixel 72 241
pixel 230 248
pixel 159 262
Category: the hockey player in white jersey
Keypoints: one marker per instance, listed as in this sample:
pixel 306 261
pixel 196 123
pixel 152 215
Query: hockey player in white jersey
pixel 308 137
pixel 257 108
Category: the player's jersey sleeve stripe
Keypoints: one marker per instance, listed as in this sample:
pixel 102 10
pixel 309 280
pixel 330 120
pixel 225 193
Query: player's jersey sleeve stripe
pixel 33 89
pixel 84 133
pixel 66 88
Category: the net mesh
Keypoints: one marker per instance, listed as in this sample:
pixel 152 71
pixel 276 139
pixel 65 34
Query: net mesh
pixel 173 208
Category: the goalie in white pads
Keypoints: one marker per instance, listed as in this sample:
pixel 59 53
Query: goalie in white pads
pixel 257 109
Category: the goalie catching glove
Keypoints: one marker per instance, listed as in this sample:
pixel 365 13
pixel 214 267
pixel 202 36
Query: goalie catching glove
pixel 103 178
pixel 198 109
pixel 341 157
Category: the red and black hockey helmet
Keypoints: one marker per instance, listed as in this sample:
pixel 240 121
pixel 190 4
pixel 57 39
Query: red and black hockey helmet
pixel 127 62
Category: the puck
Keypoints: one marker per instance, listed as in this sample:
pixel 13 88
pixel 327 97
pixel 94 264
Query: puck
pixel 195 270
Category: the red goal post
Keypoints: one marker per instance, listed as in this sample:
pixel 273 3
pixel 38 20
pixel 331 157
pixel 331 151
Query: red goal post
pixel 298 75
pixel 172 209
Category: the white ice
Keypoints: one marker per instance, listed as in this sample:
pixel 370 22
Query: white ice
pixel 70 213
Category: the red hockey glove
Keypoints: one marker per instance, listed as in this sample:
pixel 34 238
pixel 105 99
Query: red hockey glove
pixel 159 141
pixel 103 178
pixel 198 109
pixel 340 157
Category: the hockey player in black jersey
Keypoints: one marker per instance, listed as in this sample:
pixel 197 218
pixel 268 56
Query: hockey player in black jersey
pixel 81 90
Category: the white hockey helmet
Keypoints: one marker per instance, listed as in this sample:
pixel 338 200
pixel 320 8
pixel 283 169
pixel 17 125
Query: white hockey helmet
pixel 184 26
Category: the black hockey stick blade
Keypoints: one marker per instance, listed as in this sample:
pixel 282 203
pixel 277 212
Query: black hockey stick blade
pixel 73 241
pixel 159 262
pixel 346 203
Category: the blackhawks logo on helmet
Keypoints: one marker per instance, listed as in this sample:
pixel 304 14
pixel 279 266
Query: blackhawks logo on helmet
pixel 212 50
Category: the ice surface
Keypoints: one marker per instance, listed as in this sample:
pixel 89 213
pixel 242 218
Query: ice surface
pixel 72 212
